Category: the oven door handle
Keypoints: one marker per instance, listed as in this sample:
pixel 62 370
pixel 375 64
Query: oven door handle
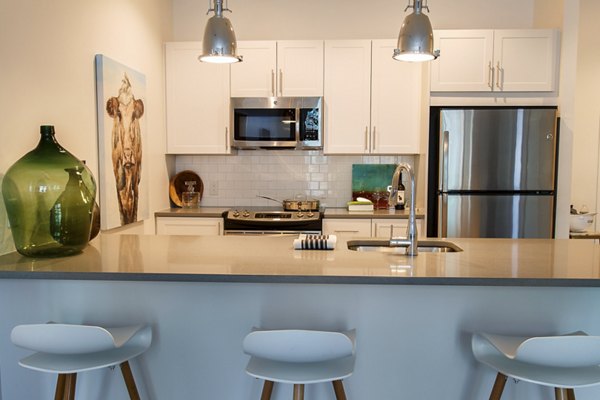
pixel 261 233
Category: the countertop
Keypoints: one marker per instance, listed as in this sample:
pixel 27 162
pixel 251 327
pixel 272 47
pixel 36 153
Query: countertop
pixel 498 262
pixel 215 212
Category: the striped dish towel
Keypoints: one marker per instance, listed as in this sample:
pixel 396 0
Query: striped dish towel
pixel 315 242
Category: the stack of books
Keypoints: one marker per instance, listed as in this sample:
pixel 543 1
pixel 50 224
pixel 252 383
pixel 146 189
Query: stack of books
pixel 360 205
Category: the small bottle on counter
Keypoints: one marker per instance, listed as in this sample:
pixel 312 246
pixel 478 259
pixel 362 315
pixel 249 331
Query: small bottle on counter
pixel 400 203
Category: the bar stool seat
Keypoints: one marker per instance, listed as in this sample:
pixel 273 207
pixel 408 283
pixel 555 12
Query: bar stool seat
pixel 69 349
pixel 300 357
pixel 564 362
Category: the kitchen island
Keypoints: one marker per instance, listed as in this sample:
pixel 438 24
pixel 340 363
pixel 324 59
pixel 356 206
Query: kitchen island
pixel 413 315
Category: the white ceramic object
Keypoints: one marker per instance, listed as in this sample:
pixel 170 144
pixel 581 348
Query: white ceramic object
pixel 581 222
pixel 65 348
pixel 300 356
pixel 566 361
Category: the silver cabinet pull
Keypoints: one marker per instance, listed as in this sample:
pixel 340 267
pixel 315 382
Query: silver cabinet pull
pixel 373 137
pixel 490 75
pixel 273 82
pixel 226 139
pixel 498 76
pixel 280 82
pixel 366 138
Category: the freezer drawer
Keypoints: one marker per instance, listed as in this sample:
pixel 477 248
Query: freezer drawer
pixel 496 216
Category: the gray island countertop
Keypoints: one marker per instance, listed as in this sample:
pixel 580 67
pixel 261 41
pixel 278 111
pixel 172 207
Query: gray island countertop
pixel 496 262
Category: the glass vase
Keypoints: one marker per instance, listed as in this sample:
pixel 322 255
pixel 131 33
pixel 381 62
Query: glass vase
pixel 49 196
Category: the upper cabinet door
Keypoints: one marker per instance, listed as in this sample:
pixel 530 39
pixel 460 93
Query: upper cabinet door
pixel 270 69
pixel 255 75
pixel 197 96
pixel 525 60
pixel 502 60
pixel 300 68
pixel 465 62
pixel 347 96
pixel 396 101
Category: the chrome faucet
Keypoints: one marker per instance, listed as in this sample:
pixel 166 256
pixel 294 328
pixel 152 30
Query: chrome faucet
pixel 410 240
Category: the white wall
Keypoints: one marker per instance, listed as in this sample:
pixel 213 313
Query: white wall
pixel 345 19
pixel 586 173
pixel 47 77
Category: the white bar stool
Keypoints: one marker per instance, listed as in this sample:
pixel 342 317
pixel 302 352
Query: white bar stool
pixel 69 349
pixel 300 357
pixel 564 362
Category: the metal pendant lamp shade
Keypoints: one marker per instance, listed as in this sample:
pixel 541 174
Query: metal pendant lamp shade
pixel 415 42
pixel 219 44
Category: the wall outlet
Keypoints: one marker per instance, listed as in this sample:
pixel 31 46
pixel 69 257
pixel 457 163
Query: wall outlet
pixel 213 188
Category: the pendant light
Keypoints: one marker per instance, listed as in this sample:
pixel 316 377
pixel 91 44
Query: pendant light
pixel 415 42
pixel 219 44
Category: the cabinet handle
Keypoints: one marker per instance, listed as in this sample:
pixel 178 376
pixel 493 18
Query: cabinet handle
pixel 373 137
pixel 280 82
pixel 366 138
pixel 226 139
pixel 273 82
pixel 498 76
pixel 346 231
pixel 490 75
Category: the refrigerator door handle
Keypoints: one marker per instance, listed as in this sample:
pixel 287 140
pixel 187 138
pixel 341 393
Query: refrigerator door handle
pixel 443 157
pixel 442 228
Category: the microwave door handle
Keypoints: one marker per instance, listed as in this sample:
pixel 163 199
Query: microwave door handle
pixel 297 125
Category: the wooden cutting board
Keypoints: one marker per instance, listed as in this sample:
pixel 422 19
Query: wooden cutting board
pixel 177 186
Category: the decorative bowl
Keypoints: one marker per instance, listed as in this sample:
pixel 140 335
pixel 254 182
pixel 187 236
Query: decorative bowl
pixel 581 222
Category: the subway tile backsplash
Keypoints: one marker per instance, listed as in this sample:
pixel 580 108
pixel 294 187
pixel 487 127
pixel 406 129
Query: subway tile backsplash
pixel 238 180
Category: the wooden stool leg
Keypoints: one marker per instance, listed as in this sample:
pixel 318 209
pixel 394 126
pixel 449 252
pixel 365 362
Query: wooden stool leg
pixel 60 387
pixel 267 390
pixel 129 381
pixel 571 394
pixel 70 382
pixel 338 388
pixel 298 392
pixel 498 386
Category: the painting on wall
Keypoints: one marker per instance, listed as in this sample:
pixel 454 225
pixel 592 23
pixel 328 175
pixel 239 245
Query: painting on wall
pixel 122 133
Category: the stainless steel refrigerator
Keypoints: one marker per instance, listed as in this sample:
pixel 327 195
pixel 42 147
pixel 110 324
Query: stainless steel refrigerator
pixel 496 172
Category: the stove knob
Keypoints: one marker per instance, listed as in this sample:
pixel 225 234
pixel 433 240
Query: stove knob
pixel 236 213
pixel 299 214
pixel 310 214
pixel 246 214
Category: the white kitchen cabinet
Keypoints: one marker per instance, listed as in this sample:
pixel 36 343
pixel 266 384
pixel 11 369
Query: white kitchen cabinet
pixel 350 227
pixel 511 60
pixel 283 68
pixel 367 227
pixel 197 96
pixel 381 228
pixel 372 102
pixel 199 226
pixel 396 100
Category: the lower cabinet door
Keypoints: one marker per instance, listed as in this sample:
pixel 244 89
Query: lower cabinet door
pixel 189 226
pixel 347 227
pixel 382 228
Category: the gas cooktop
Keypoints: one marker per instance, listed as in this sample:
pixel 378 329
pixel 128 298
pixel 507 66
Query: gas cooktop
pixel 269 214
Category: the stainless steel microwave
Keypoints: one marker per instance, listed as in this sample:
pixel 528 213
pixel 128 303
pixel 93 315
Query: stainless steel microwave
pixel 277 122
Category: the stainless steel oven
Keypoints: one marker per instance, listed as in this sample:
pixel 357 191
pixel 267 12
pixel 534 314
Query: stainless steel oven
pixel 264 221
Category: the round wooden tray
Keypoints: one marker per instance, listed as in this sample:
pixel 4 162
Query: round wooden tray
pixel 177 186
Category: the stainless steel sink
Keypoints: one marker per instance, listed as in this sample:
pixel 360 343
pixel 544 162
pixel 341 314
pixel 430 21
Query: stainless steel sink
pixel 383 246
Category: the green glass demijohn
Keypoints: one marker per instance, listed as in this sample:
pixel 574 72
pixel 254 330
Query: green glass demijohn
pixel 49 196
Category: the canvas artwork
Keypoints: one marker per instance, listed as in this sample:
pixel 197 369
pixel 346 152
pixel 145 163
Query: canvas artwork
pixel 371 181
pixel 122 133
